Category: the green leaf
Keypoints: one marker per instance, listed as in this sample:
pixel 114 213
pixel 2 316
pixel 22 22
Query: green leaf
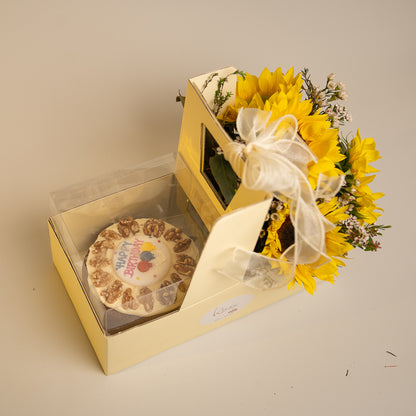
pixel 225 177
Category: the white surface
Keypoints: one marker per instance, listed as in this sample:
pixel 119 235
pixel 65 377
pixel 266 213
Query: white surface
pixel 88 87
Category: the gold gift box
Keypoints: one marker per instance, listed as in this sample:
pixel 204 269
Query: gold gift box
pixel 176 189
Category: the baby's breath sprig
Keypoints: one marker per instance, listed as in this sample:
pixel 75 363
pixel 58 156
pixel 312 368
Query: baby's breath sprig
pixel 220 98
pixel 323 98
pixel 208 80
pixel 360 235
pixel 310 89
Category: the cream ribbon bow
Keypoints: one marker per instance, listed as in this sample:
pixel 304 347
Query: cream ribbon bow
pixel 275 159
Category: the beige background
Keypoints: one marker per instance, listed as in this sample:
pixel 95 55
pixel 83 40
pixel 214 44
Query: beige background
pixel 87 87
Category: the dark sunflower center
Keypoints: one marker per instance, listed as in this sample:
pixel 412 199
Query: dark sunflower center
pixel 286 234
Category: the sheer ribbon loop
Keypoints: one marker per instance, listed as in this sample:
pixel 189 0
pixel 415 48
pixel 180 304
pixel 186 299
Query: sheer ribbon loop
pixel 274 158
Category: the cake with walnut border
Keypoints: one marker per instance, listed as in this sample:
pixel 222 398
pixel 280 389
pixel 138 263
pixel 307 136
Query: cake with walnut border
pixel 141 266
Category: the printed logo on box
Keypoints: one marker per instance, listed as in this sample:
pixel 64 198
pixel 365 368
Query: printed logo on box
pixel 226 309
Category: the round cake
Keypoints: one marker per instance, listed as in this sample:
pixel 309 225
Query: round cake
pixel 141 266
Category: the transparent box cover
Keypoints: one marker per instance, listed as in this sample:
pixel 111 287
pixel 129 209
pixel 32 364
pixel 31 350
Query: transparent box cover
pixel 147 191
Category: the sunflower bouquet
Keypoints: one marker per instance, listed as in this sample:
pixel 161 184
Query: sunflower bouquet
pixel 286 139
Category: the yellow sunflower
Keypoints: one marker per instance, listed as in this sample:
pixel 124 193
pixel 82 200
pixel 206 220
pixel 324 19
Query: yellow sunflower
pixel 336 247
pixel 361 153
pixel 273 245
pixel 253 92
pixel 366 207
pixel 281 94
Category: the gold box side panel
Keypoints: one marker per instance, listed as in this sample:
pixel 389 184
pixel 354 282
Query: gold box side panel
pixel 77 296
pixel 138 344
